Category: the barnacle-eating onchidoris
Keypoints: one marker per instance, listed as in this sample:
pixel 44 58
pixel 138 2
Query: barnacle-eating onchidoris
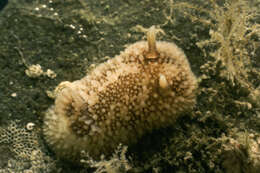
pixel 145 87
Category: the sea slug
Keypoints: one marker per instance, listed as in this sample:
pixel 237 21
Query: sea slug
pixel 146 87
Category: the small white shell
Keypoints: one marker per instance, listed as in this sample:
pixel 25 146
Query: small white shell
pixel 30 126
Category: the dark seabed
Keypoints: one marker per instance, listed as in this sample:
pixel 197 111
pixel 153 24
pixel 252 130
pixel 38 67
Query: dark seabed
pixel 3 3
pixel 45 42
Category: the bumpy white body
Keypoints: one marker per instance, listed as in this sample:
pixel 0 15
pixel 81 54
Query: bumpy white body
pixel 120 100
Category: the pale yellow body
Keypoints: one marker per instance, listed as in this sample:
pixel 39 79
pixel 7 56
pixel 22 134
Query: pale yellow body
pixel 120 100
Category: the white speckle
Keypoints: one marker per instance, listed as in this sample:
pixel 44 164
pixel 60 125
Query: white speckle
pixel 88 122
pixel 37 9
pixel 51 74
pixel 13 94
pixel 72 26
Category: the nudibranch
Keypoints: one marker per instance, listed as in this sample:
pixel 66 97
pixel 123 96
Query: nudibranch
pixel 146 87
